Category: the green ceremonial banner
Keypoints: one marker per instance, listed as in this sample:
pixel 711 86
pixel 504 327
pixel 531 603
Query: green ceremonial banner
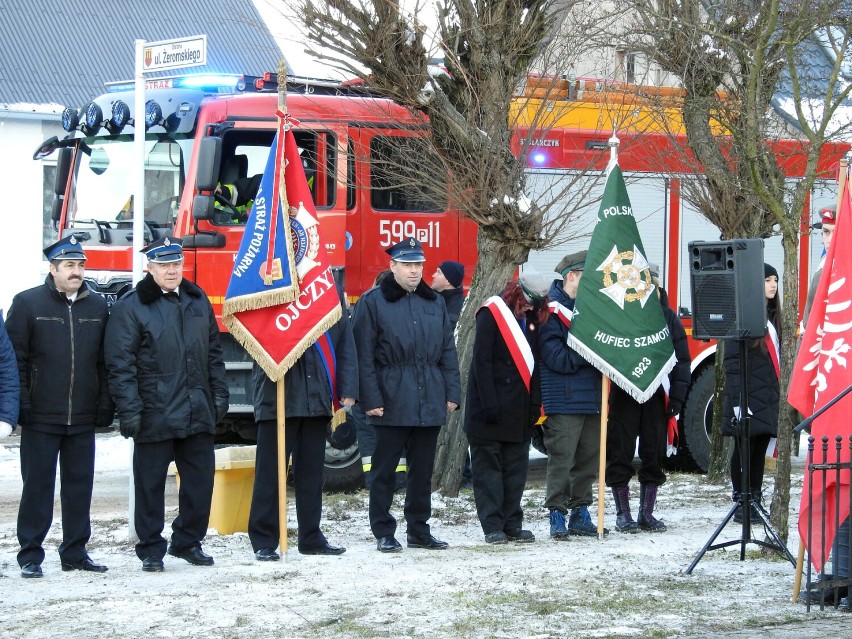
pixel 618 324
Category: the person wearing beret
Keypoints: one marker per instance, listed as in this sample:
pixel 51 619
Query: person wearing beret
pixel 447 282
pixel 409 380
pixel 57 331
pixel 503 401
pixel 763 358
pixel 571 395
pixel 167 376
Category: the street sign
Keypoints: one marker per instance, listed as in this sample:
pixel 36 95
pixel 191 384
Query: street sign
pixel 175 54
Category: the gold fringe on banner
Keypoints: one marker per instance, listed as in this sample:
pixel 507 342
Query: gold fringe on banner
pixel 276 370
pixel 338 418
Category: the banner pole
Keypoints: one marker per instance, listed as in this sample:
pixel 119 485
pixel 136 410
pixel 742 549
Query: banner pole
pixel 282 467
pixel 602 463
pixel 800 566
pixel 841 179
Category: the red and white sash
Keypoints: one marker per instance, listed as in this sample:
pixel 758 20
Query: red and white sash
pixel 514 337
pixel 561 311
pixel 774 348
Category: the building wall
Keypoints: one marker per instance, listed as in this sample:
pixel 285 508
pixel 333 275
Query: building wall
pixel 22 200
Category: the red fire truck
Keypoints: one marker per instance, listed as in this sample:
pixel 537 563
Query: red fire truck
pixel 362 154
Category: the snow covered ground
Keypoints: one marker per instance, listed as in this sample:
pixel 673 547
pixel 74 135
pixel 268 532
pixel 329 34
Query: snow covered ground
pixel 625 586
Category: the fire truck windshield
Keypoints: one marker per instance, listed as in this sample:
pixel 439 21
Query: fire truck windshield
pixel 101 193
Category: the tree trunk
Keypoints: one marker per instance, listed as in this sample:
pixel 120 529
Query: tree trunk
pixel 496 266
pixel 717 468
pixel 780 507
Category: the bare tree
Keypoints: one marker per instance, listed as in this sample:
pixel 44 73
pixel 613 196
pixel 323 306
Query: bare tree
pixel 486 51
pixel 732 57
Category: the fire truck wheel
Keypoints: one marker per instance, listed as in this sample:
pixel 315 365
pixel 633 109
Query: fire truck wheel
pixel 697 417
pixel 343 472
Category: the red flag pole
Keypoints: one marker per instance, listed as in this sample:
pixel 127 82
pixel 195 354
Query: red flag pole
pixel 281 411
pixel 602 462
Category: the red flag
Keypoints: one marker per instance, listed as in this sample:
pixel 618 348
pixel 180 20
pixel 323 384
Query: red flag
pixel 276 334
pixel 823 369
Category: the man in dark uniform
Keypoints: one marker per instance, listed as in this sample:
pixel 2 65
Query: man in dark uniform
pixel 409 380
pixel 310 407
pixel 57 330
pixel 167 376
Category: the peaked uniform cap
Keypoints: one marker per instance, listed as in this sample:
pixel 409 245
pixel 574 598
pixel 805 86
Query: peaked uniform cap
pixel 68 248
pixel 534 285
pixel 572 262
pixel 164 250
pixel 828 215
pixel 409 250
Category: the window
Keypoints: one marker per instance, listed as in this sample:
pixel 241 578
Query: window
pixel 244 157
pixel 405 175
pixel 49 233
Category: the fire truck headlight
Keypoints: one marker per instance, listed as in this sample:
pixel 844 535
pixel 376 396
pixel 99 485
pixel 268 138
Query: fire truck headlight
pixel 93 119
pixel 70 119
pixel 153 114
pixel 120 116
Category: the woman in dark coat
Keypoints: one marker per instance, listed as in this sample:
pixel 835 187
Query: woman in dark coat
pixel 503 402
pixel 763 392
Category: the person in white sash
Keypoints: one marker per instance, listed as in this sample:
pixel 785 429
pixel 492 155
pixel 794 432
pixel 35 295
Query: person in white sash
pixel 503 401
pixel 764 356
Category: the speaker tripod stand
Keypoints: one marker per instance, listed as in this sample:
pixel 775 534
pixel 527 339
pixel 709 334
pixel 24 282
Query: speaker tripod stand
pixel 746 500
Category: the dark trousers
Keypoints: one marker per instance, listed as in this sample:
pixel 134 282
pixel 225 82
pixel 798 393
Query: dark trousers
pixel 194 459
pixel 391 443
pixel 39 454
pixel 499 478
pixel 757 463
pixel 628 419
pixel 304 438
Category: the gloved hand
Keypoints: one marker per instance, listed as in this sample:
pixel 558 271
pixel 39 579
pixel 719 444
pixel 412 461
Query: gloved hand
pixel 5 429
pixel 25 416
pixel 130 427
pixel 221 407
pixel 674 407
pixel 535 413
pixel 104 418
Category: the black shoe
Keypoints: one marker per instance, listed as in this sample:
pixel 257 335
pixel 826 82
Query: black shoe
pixel 388 544
pixel 193 555
pixel 266 554
pixel 31 570
pixel 427 541
pixel 520 535
pixel 152 564
pixel 496 537
pixel 325 549
pixel 84 564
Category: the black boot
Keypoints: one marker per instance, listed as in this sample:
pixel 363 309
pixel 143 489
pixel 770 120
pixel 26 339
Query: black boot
pixel 738 513
pixel 623 519
pixel 647 499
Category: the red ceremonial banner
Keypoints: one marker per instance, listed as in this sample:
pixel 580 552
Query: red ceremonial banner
pixel 276 336
pixel 821 372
